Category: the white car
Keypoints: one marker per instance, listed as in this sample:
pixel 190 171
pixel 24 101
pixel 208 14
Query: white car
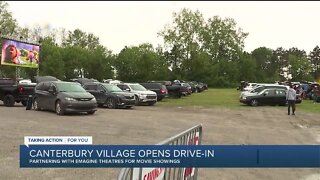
pixel 250 86
pixel 142 95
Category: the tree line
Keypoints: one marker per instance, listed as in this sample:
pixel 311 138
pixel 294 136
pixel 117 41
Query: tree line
pixel 211 51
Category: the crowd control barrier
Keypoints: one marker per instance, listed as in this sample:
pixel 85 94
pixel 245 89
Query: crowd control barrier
pixel 190 136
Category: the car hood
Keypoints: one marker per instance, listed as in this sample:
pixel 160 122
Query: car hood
pixel 145 92
pixel 123 93
pixel 77 94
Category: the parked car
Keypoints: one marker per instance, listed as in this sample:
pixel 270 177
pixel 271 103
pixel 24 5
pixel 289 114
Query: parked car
pixel 193 87
pixel 12 92
pixel 200 87
pixel 158 88
pixel 110 95
pixel 111 81
pixel 250 86
pixel 261 87
pixel 187 88
pixel 267 97
pixel 63 97
pixel 83 81
pixel 142 95
pixel 45 78
pixel 173 90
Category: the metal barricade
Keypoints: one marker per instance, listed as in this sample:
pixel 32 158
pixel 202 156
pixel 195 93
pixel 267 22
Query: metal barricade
pixel 190 136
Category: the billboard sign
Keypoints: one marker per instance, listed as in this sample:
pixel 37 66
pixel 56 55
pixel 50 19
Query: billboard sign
pixel 21 54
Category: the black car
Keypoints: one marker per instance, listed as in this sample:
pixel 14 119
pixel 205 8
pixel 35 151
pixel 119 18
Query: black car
pixel 158 88
pixel 267 97
pixel 110 95
pixel 62 97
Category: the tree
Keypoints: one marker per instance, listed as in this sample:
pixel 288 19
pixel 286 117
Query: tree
pixel 265 67
pixel 299 68
pixel 51 59
pixel 248 68
pixel 140 64
pixel 221 40
pixel 183 36
pixel 82 39
pixel 8 24
pixel 190 39
pixel 315 62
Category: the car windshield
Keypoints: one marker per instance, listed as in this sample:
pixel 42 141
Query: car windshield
pixel 69 87
pixel 112 88
pixel 137 87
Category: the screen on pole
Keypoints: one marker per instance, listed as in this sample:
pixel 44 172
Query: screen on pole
pixel 17 53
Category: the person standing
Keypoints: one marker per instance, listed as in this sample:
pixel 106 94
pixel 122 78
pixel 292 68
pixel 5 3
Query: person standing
pixel 291 99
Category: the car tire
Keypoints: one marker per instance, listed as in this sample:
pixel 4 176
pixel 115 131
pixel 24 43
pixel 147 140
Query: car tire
pixel 36 105
pixel 8 100
pixel 59 109
pixel 254 102
pixel 128 107
pixel 91 112
pixel 111 104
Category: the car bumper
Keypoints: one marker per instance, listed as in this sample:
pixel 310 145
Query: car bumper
pixel 80 106
pixel 145 99
pixel 244 101
pixel 126 102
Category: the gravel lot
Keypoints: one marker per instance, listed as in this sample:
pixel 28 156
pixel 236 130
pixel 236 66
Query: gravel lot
pixel 150 125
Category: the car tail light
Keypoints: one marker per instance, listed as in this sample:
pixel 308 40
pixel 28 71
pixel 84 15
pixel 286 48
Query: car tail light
pixel 162 91
pixel 21 90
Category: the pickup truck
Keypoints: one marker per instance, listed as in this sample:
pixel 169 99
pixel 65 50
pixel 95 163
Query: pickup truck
pixel 12 91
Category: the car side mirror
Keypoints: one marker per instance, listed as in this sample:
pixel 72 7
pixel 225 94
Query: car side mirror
pixel 264 94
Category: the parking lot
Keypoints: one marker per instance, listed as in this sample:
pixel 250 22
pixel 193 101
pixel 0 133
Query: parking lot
pixel 152 124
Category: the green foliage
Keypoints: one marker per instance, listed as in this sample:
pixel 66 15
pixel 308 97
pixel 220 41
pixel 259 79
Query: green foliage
pixel 206 50
pixel 8 25
pixel 315 62
pixel 140 64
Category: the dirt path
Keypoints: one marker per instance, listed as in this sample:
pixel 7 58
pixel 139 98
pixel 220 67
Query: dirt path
pixel 150 125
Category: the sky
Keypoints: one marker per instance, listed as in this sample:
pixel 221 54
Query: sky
pixel 271 24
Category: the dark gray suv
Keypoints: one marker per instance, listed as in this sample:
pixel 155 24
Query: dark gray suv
pixel 63 97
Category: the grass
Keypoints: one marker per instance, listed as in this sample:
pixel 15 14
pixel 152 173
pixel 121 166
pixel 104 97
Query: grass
pixel 228 98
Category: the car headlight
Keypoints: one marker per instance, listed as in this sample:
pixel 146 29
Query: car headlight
pixel 70 99
pixel 244 98
pixel 93 99
pixel 143 94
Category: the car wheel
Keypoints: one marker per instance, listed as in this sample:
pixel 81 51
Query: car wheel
pixel 36 105
pixel 8 100
pixel 137 99
pixel 59 108
pixel 254 102
pixel 128 107
pixel 111 103
pixel 91 112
